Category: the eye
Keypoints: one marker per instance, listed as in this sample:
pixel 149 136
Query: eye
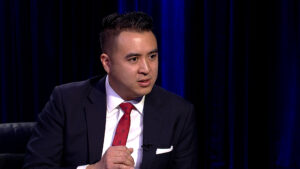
pixel 133 59
pixel 153 56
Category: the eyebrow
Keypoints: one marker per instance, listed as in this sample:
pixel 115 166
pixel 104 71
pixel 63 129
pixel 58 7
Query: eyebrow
pixel 138 54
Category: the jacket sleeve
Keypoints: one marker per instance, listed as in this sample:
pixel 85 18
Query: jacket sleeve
pixel 186 153
pixel 45 148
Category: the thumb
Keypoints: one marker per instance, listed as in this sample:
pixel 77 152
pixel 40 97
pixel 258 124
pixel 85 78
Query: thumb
pixel 130 150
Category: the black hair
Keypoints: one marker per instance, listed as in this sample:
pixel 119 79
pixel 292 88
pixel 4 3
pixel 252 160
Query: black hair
pixel 114 24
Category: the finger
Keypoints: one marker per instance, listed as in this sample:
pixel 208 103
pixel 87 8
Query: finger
pixel 119 153
pixel 130 150
pixel 122 166
pixel 120 148
pixel 117 150
pixel 123 160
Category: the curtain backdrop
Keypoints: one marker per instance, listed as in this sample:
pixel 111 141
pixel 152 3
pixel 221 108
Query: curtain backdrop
pixel 205 48
pixel 274 76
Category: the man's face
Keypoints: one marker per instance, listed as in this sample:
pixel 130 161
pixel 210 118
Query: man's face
pixel 132 66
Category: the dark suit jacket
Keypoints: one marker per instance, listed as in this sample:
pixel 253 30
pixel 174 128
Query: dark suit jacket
pixel 70 129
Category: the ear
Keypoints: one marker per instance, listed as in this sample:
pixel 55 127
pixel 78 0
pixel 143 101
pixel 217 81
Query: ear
pixel 105 60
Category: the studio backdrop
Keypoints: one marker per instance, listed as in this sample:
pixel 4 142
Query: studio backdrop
pixel 204 52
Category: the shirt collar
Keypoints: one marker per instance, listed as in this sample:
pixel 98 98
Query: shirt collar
pixel 113 100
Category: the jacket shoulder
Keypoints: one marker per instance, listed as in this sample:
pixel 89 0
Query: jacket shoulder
pixel 167 98
pixel 79 86
pixel 77 91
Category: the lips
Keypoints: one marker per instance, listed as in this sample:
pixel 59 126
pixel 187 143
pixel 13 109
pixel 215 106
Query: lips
pixel 144 83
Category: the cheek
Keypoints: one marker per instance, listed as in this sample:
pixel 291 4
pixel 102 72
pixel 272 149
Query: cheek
pixel 123 72
pixel 155 68
pixel 126 74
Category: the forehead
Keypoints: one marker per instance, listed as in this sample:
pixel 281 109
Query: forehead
pixel 127 41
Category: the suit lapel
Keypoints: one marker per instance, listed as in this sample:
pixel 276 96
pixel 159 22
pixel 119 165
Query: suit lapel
pixel 151 127
pixel 95 117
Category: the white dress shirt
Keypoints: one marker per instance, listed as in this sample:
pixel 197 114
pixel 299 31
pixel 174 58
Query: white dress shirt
pixel 114 114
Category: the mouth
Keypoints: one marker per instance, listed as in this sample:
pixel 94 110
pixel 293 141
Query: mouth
pixel 144 83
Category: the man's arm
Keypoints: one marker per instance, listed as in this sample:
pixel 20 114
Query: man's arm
pixel 45 148
pixel 185 155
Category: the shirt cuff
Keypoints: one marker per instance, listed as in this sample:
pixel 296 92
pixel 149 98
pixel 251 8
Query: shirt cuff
pixel 82 167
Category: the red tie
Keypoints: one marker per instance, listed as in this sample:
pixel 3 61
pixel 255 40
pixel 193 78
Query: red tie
pixel 122 131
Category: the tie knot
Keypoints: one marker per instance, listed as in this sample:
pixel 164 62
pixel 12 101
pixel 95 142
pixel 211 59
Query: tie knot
pixel 126 107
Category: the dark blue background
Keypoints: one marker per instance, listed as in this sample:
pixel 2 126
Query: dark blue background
pixel 227 57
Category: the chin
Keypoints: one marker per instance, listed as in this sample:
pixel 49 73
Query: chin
pixel 145 91
pixel 140 91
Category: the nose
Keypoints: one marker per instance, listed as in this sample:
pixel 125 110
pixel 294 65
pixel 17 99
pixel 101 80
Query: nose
pixel 144 67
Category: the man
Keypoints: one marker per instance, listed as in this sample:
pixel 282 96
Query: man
pixel 87 125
